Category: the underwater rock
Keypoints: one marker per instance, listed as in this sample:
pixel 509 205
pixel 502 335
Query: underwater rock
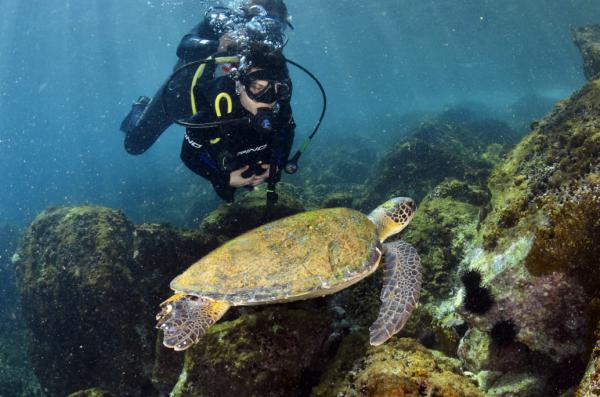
pixel 590 384
pixel 537 248
pixel 92 393
pixel 440 230
pixel 335 165
pixel 518 384
pixel 438 150
pixel 400 367
pixel 161 252
pixel 231 220
pixel 81 302
pixel 275 351
pixel 479 354
pixel 587 40
pixel 338 199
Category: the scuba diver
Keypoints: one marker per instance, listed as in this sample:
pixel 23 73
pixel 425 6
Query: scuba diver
pixel 231 90
pixel 243 130
pixel 222 30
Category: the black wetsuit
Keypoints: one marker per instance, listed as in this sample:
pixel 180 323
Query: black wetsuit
pixel 214 152
pixel 200 43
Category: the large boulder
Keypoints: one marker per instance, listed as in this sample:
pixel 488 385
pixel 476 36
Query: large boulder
pixel 587 40
pixel 77 282
pixel 89 282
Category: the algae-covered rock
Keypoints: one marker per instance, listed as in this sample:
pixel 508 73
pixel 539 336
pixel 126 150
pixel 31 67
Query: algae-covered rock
pixel 537 248
pixel 590 384
pixel 339 199
pixel 438 150
pixel 231 220
pixel 400 367
pixel 92 393
pixel 506 371
pixel 272 352
pixel 518 384
pixel 161 252
pixel 439 232
pixel 77 284
pixel 587 40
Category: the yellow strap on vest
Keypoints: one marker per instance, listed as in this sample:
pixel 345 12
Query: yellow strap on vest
pixel 218 99
pixel 197 75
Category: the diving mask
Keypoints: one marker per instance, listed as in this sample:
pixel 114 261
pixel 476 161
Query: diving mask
pixel 277 88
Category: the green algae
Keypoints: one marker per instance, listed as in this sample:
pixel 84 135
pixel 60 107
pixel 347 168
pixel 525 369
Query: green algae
pixel 569 243
pixel 439 232
pixel 75 274
pixel 559 155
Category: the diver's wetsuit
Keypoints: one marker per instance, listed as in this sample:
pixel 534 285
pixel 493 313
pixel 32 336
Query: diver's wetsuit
pixel 214 152
pixel 144 128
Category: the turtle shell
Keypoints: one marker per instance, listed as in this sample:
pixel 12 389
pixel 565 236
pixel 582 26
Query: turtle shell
pixel 310 254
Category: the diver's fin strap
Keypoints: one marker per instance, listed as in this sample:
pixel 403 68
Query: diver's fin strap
pixel 184 319
pixel 401 290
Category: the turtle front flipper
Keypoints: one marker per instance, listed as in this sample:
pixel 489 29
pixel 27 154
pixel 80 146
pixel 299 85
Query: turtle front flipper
pixel 184 319
pixel 400 293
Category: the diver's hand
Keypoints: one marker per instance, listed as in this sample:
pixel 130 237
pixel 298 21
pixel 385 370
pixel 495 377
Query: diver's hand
pixel 226 42
pixel 237 180
pixel 262 178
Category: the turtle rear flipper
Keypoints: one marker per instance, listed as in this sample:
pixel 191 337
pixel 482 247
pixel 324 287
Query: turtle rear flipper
pixel 184 319
pixel 400 293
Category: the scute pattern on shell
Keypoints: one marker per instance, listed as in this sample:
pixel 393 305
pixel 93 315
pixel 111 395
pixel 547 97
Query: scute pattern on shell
pixel 312 251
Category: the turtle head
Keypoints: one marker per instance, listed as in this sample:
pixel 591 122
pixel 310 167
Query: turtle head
pixel 393 216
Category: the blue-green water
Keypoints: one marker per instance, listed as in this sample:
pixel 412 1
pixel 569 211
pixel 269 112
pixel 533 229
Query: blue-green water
pixel 70 71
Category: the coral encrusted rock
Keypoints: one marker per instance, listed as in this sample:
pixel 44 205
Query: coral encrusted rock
pixel 587 40
pixel 77 283
pixel 400 367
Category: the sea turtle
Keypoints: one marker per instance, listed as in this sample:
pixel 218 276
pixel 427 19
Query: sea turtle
pixel 303 256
